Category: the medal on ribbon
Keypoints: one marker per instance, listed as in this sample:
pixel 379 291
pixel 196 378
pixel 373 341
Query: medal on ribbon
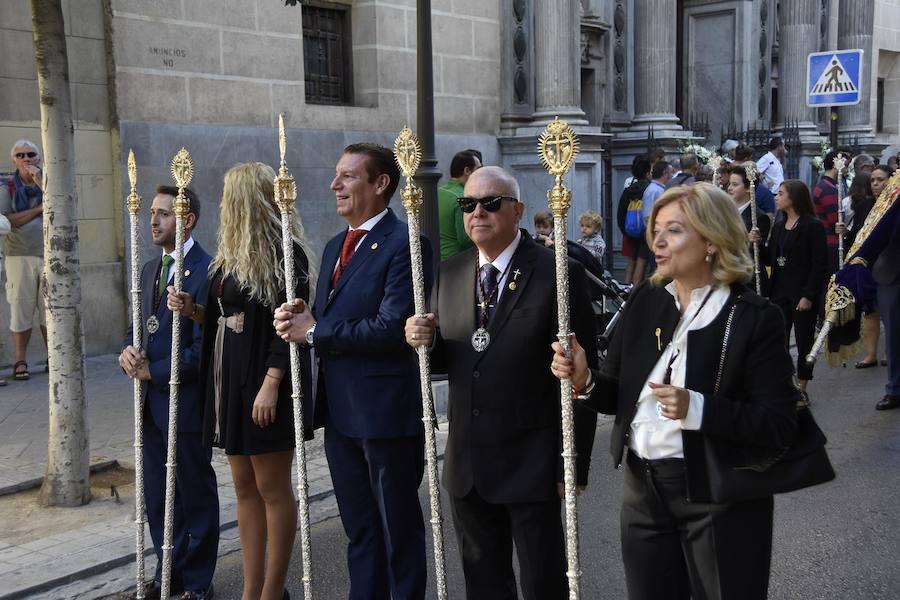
pixel 152 324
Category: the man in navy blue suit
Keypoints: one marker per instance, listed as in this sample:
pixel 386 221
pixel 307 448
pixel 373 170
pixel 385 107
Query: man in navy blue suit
pixel 196 525
pixel 368 397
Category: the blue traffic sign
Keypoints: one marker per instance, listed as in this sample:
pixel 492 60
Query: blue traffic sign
pixel 832 78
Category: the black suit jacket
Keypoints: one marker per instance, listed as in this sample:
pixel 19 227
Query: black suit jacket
pixel 504 409
pixel 805 273
pixel 751 418
pixel 765 226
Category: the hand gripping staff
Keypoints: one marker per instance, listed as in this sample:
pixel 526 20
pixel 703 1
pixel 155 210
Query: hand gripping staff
pixel 558 147
pixel 182 172
pixel 752 174
pixel 134 209
pixel 408 153
pixel 285 194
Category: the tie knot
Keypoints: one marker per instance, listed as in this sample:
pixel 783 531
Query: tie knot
pixel 167 260
pixel 488 273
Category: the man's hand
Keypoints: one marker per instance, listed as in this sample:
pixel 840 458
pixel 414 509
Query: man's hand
pixel 804 305
pixel 840 228
pixel 36 175
pixel 420 330
pixel 132 360
pixel 292 321
pixel 674 401
pixel 753 236
pixel 182 302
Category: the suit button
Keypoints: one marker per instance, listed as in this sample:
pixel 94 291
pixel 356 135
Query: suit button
pixel 476 374
pixel 475 411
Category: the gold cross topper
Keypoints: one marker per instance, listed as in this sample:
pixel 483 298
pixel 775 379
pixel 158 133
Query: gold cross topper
pixel 408 154
pixel 558 147
pixel 182 172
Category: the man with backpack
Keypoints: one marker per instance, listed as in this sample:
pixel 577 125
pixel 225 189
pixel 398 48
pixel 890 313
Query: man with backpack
pixel 632 247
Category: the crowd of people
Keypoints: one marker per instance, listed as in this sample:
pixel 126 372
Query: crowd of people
pixel 693 252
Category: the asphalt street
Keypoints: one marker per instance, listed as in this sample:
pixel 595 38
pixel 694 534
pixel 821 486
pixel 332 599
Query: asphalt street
pixel 839 541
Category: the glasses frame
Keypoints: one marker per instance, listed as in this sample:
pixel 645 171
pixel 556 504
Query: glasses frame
pixel 23 155
pixel 491 204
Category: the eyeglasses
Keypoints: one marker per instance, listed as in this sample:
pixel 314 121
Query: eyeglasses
pixel 488 203
pixel 21 155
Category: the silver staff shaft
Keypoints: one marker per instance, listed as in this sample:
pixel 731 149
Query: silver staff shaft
pixel 820 340
pixel 171 460
pixel 297 398
pixel 434 492
pixel 753 225
pixel 137 343
pixel 568 416
pixel 840 221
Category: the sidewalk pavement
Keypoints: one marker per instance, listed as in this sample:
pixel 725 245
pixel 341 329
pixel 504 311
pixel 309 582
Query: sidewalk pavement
pixel 48 549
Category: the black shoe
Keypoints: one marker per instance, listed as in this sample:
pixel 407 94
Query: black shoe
pixel 206 594
pixel 888 402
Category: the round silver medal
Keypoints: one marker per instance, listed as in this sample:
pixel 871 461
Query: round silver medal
pixel 480 339
pixel 152 324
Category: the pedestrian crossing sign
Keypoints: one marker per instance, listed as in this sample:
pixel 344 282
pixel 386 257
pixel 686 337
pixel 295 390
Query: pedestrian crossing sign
pixel 832 78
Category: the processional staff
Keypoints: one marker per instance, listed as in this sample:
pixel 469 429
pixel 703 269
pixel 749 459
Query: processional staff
pixel 408 154
pixel 715 163
pixel 285 194
pixel 752 174
pixel 558 147
pixel 840 163
pixel 134 209
pixel 182 172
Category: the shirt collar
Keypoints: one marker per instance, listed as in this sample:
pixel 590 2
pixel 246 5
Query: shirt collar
pixel 697 294
pixel 188 244
pixel 743 207
pixel 502 261
pixel 371 223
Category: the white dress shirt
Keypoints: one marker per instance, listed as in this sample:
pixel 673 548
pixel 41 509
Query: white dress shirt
pixel 771 170
pixel 368 226
pixel 188 244
pixel 501 263
pixel 654 436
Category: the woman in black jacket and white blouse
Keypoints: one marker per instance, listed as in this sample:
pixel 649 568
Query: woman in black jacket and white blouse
pixel 679 397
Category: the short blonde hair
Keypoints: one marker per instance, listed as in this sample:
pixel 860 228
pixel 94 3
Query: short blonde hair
pixel 714 216
pixel 591 218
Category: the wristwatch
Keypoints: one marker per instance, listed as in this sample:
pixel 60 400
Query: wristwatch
pixel 309 335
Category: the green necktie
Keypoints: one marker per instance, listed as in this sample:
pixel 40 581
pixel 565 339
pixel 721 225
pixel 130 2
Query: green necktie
pixel 164 274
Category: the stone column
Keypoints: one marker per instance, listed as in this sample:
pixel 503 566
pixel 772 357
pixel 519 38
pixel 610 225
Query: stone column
pixel 557 65
pixel 856 21
pixel 654 64
pixel 798 23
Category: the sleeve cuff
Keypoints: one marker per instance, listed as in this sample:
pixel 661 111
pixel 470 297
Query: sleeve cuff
pixel 694 417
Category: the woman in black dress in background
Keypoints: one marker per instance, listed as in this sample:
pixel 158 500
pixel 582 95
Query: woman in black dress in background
pixel 247 384
pixel 797 253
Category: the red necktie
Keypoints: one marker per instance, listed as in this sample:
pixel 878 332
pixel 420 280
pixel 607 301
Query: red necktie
pixel 347 251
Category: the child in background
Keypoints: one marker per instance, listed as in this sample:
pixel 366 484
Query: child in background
pixel 591 223
pixel 543 229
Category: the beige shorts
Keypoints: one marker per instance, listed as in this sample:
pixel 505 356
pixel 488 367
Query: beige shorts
pixel 24 292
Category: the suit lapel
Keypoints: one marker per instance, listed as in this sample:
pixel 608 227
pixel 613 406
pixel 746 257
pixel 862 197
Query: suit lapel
pixel 523 262
pixel 369 246
pixel 458 287
pixel 329 259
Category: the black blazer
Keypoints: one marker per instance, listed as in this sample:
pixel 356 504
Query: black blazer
pixel 806 271
pixel 765 226
pixel 753 416
pixel 504 408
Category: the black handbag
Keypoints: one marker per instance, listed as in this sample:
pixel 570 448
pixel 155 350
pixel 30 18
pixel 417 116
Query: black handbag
pixel 803 464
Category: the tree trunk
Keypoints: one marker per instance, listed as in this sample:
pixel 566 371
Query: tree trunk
pixel 67 480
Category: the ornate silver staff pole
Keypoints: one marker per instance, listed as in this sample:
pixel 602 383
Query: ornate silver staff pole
pixel 408 153
pixel 715 163
pixel 558 148
pixel 183 172
pixel 840 163
pixel 134 209
pixel 752 174
pixel 285 194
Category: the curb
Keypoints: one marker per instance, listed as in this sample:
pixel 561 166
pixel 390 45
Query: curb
pixel 30 484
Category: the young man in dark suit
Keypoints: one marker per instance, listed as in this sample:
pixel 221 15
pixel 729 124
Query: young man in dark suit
pixel 368 396
pixel 494 319
pixel 196 524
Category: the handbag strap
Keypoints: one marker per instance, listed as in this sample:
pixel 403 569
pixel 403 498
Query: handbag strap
pixel 725 345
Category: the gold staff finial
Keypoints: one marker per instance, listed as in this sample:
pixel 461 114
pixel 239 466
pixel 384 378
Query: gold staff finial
pixel 752 172
pixel 285 185
pixel 408 154
pixel 558 147
pixel 182 172
pixel 840 162
pixel 134 201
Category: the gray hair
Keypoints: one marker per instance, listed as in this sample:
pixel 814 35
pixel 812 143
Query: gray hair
pixel 500 175
pixel 23 143
pixel 863 160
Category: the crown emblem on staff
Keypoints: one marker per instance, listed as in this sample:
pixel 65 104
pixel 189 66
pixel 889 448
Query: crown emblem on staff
pixel 408 154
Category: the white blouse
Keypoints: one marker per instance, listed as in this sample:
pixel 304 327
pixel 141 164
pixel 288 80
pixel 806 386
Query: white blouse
pixel 654 436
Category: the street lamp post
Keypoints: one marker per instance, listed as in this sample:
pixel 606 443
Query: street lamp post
pixel 428 174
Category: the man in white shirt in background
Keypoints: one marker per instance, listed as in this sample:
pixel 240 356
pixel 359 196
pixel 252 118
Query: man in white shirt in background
pixel 771 171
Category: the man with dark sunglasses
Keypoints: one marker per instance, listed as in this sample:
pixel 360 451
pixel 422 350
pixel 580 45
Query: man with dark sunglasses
pixel 494 318
pixel 21 201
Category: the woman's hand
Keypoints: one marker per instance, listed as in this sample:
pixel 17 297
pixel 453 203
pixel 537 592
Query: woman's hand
pixel 840 228
pixel 180 302
pixel 754 236
pixel 263 413
pixel 674 401
pixel 572 367
pixel 804 304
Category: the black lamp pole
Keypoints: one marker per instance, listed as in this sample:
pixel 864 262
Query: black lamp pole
pixel 428 174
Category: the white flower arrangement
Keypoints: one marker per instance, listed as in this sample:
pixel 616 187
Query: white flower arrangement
pixel 702 153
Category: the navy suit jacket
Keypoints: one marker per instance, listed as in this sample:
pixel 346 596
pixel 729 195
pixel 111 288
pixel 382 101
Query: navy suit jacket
pixel 158 346
pixel 368 375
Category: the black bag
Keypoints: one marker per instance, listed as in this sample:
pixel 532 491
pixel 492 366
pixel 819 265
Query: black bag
pixel 804 464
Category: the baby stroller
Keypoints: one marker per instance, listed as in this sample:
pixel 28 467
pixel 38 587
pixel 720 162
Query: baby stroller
pixel 608 298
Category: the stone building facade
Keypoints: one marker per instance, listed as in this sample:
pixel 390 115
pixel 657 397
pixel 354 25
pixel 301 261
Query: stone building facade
pixel 213 75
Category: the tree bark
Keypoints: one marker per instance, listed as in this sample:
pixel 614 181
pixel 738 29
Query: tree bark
pixel 67 480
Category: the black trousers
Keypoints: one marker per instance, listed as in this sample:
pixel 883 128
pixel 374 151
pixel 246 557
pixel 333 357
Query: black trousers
pixel 677 550
pixel 804 324
pixel 485 533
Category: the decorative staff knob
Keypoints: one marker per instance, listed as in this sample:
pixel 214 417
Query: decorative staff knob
pixel 134 201
pixel 182 172
pixel 752 173
pixel 408 154
pixel 285 186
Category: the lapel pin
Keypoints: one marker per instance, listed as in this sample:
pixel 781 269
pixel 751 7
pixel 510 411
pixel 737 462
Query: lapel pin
pixel 658 339
pixel 374 245
pixel 512 285
pixel 187 272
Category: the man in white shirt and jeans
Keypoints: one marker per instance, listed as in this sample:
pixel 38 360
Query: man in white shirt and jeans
pixel 770 170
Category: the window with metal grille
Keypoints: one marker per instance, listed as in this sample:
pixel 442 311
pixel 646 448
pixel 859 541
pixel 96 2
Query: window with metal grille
pixel 326 55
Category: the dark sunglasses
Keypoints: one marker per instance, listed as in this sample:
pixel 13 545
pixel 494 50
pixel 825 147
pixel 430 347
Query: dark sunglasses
pixel 21 155
pixel 488 203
